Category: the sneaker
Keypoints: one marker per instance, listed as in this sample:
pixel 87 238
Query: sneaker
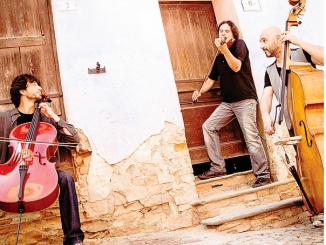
pixel 210 174
pixel 261 181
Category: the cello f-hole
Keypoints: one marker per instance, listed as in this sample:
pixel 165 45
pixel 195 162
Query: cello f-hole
pixel 40 158
pixel 305 132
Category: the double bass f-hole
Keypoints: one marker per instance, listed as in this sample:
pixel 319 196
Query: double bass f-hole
pixel 305 133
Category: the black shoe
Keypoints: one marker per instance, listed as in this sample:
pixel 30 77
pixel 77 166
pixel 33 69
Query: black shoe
pixel 319 222
pixel 261 181
pixel 210 174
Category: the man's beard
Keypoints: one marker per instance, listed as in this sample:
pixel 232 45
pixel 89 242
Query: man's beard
pixel 267 53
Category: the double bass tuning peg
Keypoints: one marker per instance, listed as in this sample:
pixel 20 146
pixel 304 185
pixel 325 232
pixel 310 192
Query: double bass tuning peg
pixel 293 2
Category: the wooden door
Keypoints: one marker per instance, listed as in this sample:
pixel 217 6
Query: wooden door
pixel 190 29
pixel 27 45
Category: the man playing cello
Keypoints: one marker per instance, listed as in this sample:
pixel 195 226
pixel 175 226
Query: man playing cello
pixel 25 91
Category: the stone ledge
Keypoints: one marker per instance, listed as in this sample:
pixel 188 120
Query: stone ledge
pixel 217 197
pixel 218 220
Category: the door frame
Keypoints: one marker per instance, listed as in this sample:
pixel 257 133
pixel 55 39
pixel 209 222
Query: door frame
pixel 225 10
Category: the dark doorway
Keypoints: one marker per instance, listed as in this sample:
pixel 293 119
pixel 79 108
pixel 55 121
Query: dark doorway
pixel 233 165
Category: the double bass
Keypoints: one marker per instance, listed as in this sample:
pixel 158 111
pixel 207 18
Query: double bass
pixel 28 180
pixel 305 102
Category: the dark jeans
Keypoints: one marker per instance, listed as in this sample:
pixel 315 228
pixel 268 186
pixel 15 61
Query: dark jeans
pixel 69 211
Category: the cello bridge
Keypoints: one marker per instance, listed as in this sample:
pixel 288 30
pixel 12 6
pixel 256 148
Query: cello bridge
pixel 27 156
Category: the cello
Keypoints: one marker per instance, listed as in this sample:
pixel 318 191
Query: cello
pixel 28 180
pixel 305 102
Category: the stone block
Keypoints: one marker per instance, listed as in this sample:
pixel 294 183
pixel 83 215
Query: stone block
pixel 250 197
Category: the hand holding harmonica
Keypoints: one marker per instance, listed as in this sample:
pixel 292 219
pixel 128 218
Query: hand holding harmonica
pixel 220 44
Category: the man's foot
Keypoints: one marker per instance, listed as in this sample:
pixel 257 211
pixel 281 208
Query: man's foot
pixel 261 181
pixel 210 174
pixel 318 223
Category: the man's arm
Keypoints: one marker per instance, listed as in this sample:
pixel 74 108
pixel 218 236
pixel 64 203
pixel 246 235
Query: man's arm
pixel 265 108
pixel 67 132
pixel 316 52
pixel 233 62
pixel 207 85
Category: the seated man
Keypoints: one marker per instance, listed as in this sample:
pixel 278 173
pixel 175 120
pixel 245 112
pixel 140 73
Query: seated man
pixel 25 91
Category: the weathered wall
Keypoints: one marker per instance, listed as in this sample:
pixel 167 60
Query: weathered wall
pixel 132 167
pixel 150 191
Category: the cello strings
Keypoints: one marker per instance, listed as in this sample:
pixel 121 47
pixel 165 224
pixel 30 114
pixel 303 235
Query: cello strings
pixel 3 139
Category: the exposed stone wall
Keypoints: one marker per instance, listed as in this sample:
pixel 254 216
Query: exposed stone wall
pixel 278 165
pixel 151 190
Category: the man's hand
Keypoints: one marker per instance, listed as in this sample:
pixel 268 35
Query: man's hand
pixel 196 94
pixel 268 125
pixel 287 36
pixel 47 111
pixel 220 43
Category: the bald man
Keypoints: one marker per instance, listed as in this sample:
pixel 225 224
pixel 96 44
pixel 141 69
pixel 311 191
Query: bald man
pixel 272 43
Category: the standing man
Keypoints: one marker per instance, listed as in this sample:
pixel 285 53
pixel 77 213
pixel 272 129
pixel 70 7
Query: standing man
pixel 272 43
pixel 25 91
pixel 233 68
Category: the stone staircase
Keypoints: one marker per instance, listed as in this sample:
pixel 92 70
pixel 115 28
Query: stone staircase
pixel 230 204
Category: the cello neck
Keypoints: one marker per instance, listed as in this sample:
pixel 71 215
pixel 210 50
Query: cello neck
pixel 34 123
pixel 36 118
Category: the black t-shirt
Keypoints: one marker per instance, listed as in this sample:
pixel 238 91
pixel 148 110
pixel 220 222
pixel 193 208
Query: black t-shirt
pixel 235 86
pixel 24 118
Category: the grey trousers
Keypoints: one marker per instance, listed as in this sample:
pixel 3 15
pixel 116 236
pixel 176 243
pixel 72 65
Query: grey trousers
pixel 245 112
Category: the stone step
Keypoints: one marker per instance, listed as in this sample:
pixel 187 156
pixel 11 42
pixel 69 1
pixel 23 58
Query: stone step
pixel 225 184
pixel 231 205
pixel 262 217
pixel 249 212
pixel 233 201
